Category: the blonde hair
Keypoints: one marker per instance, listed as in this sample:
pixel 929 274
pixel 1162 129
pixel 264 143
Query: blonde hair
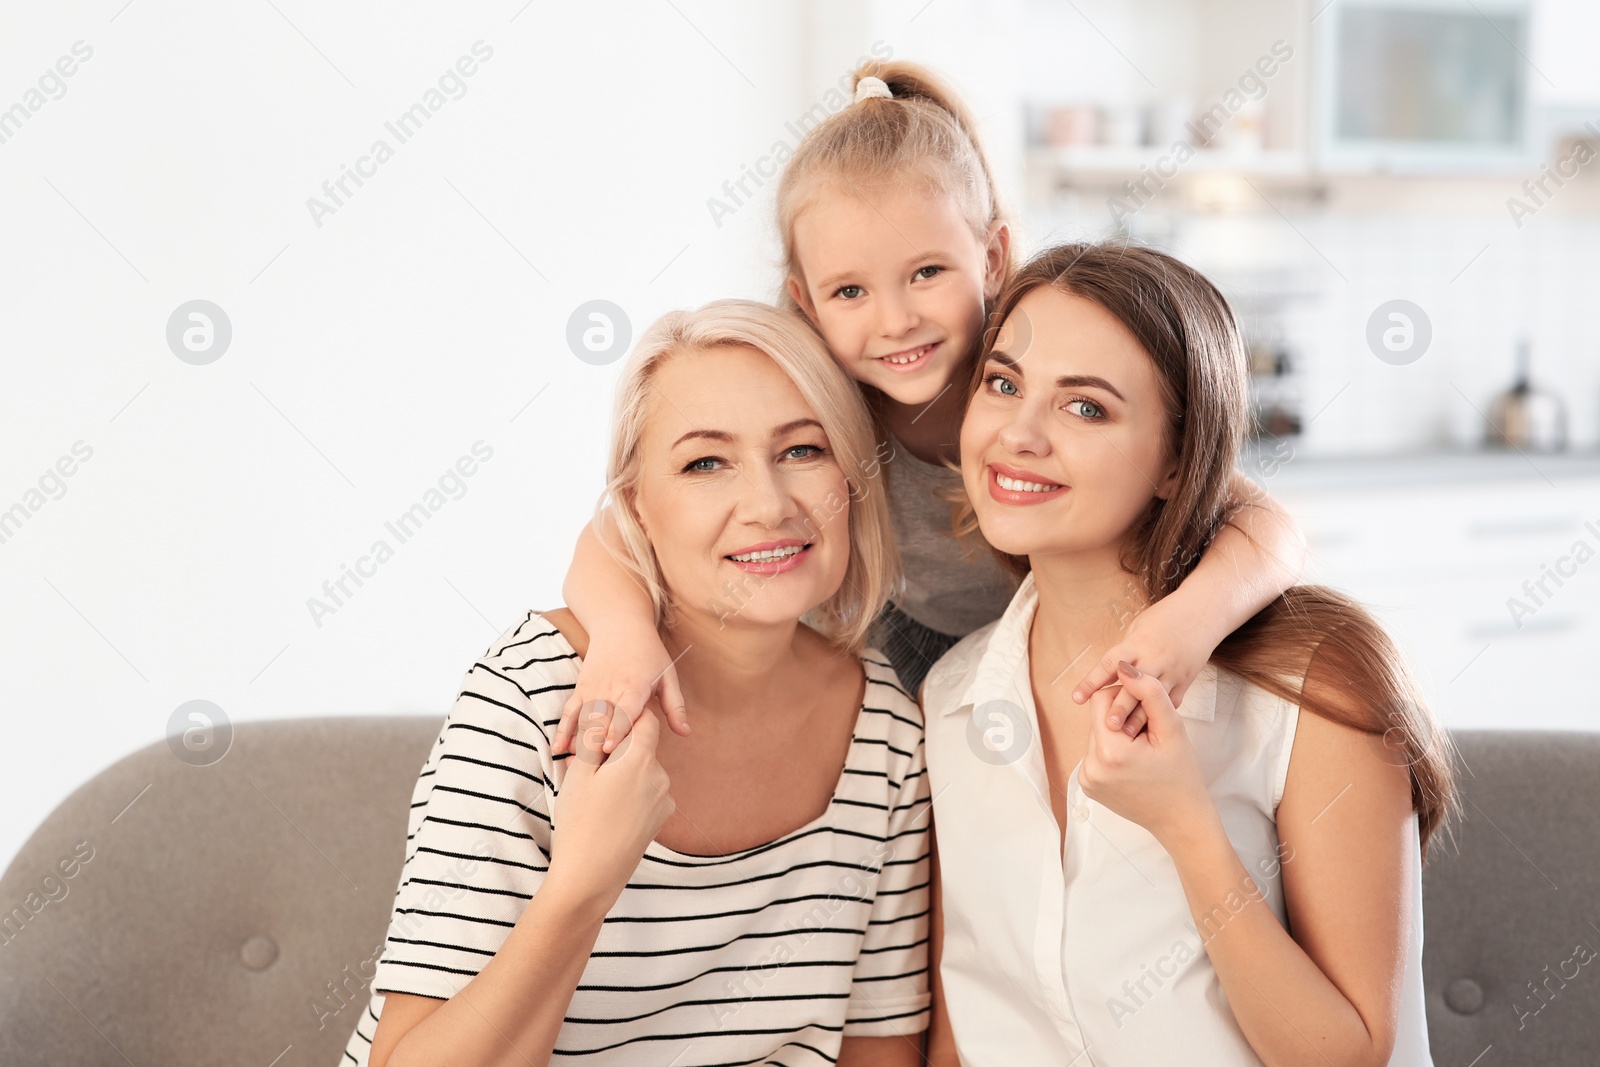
pixel 874 567
pixel 923 131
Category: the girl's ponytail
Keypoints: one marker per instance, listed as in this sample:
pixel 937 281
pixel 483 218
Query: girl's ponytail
pixel 912 81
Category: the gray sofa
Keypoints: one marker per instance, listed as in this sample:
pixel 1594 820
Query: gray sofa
pixel 175 915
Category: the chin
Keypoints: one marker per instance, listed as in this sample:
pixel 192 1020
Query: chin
pixel 766 607
pixel 1019 546
pixel 777 614
pixel 919 393
pixel 1012 538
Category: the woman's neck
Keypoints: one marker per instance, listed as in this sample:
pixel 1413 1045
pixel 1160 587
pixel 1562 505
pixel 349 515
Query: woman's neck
pixel 731 667
pixel 1086 601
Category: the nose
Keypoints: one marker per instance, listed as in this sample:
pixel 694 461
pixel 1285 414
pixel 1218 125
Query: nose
pixel 1024 432
pixel 766 500
pixel 897 315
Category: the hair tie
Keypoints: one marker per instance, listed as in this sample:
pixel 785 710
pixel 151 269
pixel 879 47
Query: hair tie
pixel 870 86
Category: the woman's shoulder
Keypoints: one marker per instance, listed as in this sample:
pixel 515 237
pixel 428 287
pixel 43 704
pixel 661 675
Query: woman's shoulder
pixel 538 656
pixel 545 632
pixel 1242 716
pixel 886 692
pixel 505 714
pixel 889 736
pixel 950 675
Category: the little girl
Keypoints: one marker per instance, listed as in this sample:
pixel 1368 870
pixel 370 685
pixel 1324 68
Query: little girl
pixel 896 244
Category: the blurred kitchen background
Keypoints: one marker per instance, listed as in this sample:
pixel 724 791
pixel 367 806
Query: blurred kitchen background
pixel 1400 198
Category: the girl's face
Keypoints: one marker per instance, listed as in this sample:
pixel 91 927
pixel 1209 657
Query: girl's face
pixel 895 281
pixel 733 461
pixel 1062 446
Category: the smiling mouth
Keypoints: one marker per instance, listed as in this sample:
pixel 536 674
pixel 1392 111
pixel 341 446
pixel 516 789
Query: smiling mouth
pixel 1017 492
pixel 1017 485
pixel 771 555
pixel 911 357
pixel 772 562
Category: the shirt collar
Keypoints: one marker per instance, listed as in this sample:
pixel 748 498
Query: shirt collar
pixel 1002 669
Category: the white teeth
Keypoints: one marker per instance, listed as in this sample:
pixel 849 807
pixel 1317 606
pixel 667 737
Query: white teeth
pixel 1022 487
pixel 771 553
pixel 902 360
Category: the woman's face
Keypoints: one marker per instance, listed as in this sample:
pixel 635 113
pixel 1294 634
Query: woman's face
pixel 895 282
pixel 1062 446
pixel 734 462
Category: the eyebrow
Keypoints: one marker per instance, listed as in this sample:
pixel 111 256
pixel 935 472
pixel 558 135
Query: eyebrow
pixel 1066 381
pixel 727 438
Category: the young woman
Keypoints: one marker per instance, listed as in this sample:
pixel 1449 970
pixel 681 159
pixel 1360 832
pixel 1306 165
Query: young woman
pixel 773 907
pixel 1240 883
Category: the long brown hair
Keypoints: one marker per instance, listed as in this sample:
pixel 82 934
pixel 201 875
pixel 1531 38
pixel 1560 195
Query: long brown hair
pixel 1188 330
pixel 923 134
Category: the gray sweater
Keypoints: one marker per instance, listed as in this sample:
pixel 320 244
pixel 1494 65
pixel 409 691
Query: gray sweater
pixel 945 588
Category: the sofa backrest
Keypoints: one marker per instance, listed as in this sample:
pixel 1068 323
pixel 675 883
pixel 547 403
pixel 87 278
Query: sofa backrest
pixel 224 914
pixel 212 914
pixel 1510 934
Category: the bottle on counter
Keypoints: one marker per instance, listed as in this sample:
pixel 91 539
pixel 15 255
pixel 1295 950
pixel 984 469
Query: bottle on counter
pixel 1526 418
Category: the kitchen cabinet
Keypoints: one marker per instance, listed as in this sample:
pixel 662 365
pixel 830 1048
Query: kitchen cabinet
pixel 1485 569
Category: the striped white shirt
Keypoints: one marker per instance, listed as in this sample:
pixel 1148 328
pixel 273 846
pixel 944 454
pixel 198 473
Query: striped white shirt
pixel 768 955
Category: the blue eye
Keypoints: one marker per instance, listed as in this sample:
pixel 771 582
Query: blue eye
pixel 843 290
pixel 695 466
pixel 993 377
pixel 928 272
pixel 1094 413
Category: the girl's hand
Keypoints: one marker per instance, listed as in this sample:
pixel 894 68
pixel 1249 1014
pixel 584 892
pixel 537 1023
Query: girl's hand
pixel 608 811
pixel 1162 646
pixel 1153 779
pixel 625 676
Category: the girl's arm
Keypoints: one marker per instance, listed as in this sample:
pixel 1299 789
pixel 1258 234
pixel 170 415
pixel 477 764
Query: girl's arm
pixel 625 661
pixel 1253 559
pixel 1330 992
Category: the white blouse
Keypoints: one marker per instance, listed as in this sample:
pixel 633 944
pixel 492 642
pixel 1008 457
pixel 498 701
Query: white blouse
pixel 1094 959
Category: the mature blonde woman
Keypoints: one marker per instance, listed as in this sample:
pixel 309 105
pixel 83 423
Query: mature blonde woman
pixel 770 904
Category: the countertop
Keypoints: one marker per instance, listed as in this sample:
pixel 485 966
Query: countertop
pixel 1278 466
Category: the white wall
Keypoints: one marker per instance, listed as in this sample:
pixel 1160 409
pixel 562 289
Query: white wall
pixel 429 312
pixel 368 354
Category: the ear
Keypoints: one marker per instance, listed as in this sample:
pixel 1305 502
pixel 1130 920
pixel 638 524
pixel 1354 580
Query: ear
pixel 996 254
pixel 1168 484
pixel 631 502
pixel 803 298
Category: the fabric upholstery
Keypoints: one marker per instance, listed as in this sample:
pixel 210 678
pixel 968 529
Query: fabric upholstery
pixel 231 914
